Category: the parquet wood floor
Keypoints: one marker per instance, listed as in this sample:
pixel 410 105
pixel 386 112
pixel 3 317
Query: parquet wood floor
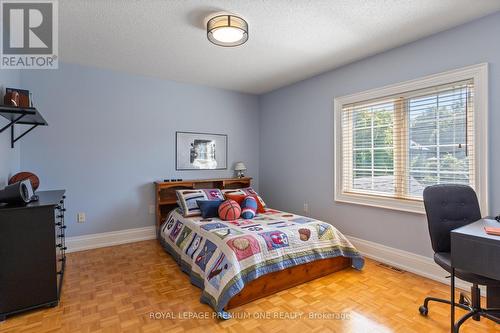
pixel 119 289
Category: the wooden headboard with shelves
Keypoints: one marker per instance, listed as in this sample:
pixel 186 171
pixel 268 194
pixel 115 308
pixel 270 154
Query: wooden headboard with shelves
pixel 166 199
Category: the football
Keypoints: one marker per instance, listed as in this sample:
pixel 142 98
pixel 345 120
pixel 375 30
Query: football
pixel 35 182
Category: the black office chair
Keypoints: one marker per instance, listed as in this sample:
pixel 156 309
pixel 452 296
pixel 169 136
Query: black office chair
pixel 449 207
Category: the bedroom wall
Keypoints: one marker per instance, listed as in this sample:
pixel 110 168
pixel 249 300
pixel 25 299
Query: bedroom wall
pixel 9 158
pixel 110 135
pixel 296 124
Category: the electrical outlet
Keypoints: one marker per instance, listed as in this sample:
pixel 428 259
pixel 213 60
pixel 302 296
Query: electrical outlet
pixel 151 209
pixel 306 207
pixel 80 217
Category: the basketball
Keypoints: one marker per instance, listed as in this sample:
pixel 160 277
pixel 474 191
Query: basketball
pixel 35 182
pixel 248 207
pixel 229 210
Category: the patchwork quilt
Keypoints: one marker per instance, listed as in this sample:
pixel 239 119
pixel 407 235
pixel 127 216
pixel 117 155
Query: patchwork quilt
pixel 222 256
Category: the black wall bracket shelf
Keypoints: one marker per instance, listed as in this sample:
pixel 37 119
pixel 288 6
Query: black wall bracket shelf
pixel 20 116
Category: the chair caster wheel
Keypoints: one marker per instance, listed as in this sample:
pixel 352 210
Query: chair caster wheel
pixel 423 310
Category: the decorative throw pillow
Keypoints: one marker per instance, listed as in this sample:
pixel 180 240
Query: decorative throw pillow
pixel 234 191
pixel 180 206
pixel 236 197
pixel 240 197
pixel 229 210
pixel 248 191
pixel 260 202
pixel 188 198
pixel 209 208
pixel 261 207
pixel 248 207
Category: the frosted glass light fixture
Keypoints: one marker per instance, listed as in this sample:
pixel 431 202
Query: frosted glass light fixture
pixel 227 30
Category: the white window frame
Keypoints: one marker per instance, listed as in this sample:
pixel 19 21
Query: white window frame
pixel 479 73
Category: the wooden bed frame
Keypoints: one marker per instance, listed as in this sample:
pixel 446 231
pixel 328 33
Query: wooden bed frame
pixel 266 285
pixel 290 277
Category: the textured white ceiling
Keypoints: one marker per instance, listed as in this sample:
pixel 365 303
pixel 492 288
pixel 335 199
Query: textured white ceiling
pixel 289 39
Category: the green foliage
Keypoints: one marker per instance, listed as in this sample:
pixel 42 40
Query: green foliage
pixel 381 136
pixel 449 132
pixel 376 129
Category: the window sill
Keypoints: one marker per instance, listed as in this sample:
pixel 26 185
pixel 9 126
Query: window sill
pixel 410 206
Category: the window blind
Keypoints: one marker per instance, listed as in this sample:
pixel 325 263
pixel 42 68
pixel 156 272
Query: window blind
pixel 397 145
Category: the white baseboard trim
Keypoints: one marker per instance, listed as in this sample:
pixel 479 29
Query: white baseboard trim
pixel 410 262
pixel 94 241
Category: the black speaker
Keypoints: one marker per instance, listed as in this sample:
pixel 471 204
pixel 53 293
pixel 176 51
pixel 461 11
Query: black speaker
pixel 20 192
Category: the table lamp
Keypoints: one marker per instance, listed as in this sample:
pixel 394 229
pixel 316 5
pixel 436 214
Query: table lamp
pixel 240 168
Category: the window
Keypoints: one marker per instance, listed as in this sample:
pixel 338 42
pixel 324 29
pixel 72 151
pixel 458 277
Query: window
pixel 393 142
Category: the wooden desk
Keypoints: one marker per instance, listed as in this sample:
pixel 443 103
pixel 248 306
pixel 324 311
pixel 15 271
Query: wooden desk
pixel 473 250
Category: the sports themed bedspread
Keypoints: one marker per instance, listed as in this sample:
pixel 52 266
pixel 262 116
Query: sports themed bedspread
pixel 222 256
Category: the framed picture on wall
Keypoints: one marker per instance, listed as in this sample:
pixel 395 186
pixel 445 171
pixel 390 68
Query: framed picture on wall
pixel 200 151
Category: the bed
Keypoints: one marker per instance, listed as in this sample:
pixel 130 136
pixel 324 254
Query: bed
pixel 235 262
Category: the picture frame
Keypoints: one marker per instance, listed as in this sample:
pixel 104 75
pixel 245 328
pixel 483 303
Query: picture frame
pixel 200 151
pixel 17 97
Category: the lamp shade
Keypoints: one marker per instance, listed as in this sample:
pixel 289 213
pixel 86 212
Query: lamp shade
pixel 228 30
pixel 240 166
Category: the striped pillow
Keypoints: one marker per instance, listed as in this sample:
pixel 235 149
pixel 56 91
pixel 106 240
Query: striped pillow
pixel 187 199
pixel 248 207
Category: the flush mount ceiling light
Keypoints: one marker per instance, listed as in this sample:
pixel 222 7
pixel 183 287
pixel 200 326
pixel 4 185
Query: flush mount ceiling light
pixel 227 30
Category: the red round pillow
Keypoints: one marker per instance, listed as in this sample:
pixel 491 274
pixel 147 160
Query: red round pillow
pixel 35 182
pixel 229 210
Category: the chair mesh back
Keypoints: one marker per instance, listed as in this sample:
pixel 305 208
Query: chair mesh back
pixel 449 207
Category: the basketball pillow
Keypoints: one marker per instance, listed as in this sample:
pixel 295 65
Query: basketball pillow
pixel 248 207
pixel 229 210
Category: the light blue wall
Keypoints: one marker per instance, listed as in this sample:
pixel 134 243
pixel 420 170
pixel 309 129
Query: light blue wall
pixel 296 124
pixel 9 158
pixel 110 135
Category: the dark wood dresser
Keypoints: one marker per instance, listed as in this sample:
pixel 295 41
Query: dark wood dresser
pixel 32 253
